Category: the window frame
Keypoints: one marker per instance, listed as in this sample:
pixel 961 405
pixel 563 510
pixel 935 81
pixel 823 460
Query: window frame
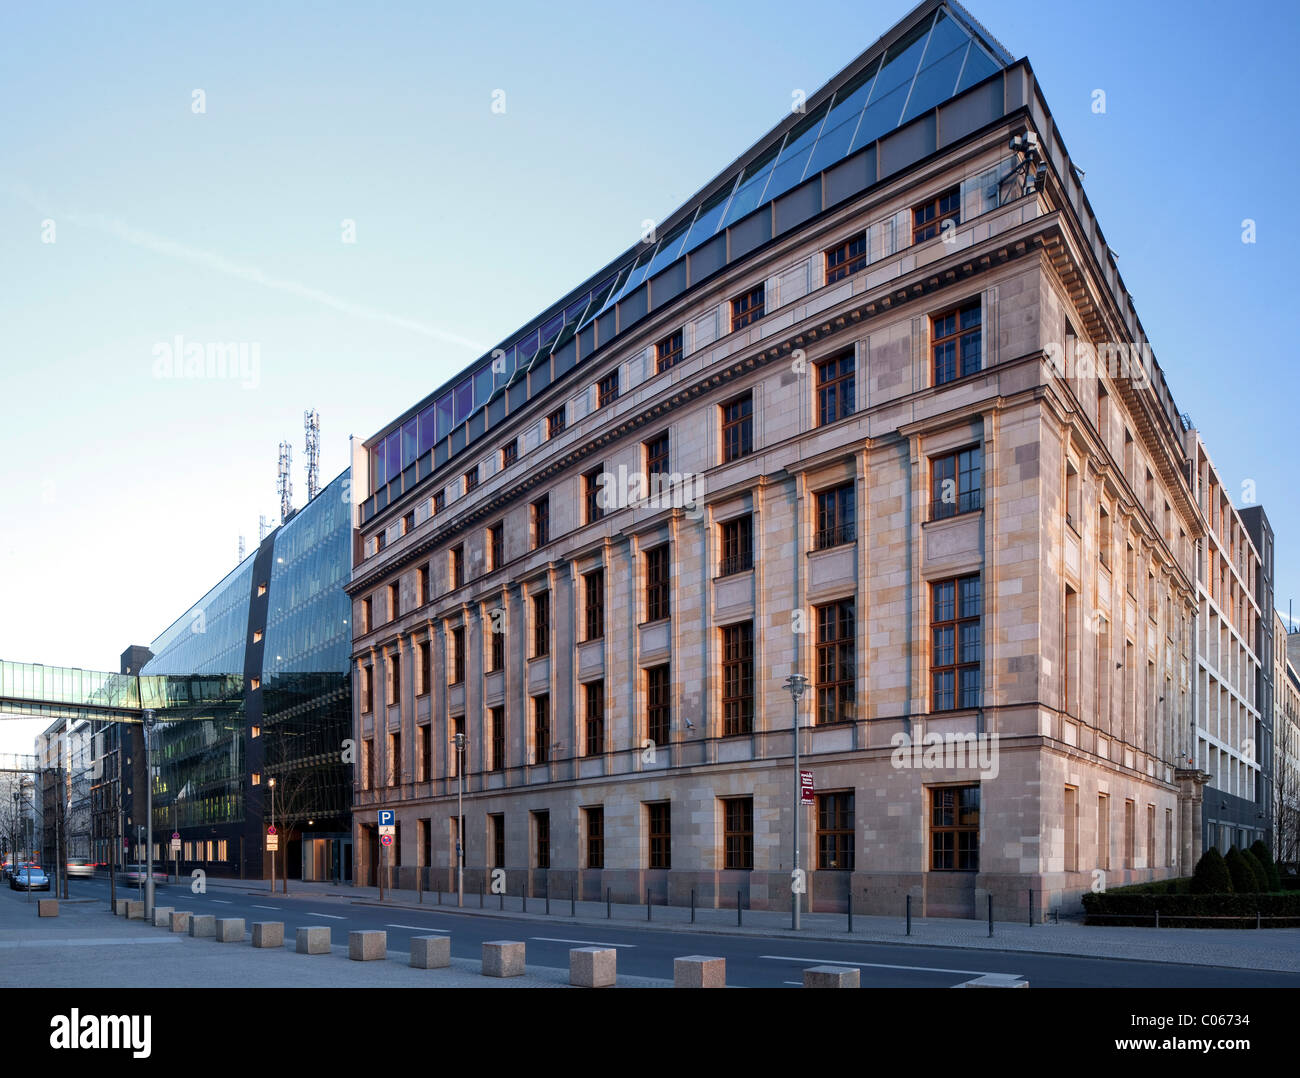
pixel 963 860
pixel 594 722
pixel 960 333
pixel 970 499
pixel 659 833
pixel 955 623
pixel 840 690
pixel 840 532
pixel 932 225
pixel 737 679
pixel 849 261
pixel 737 548
pixel 668 352
pixel 838 387
pixel 738 427
pixel 658 582
pixel 737 833
pixel 659 695
pixel 838 808
pixel 748 307
pixel 607 389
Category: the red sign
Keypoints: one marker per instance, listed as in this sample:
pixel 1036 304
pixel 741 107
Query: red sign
pixel 271 830
pixel 176 836
pixel 806 790
pixel 386 840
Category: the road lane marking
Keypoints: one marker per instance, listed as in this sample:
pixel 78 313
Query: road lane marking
pixel 589 943
pixel 257 907
pixel 879 965
pixel 797 984
pixel 223 901
pixel 109 942
pixel 421 928
pixel 331 916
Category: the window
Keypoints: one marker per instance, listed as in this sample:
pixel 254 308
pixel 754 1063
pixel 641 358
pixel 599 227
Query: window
pixel 426 755
pixel 458 566
pixel 1130 571
pixel 497 827
pixel 541 729
pixel 368 761
pixel 595 818
pixel 955 636
pixel 738 428
pixel 509 453
pixel 542 834
pixel 496 641
pixel 661 834
pixel 394 759
pixel 607 389
pixel 595 726
pixel 956 347
pixel 497 723
pixel 656 583
pixel 836 637
pixel 1072 515
pixel 541 522
pixel 1103 536
pixel 1103 831
pixel 738 679
pixel 1151 836
pixel 955 829
pixel 1070 667
pixel 497 545
pixel 471 479
pixel 1129 837
pixel 849 257
pixel 955 482
pixel 668 352
pixel 459 755
pixel 541 623
pixel 737 545
pixel 367 688
pixel 408 523
pixel 422 576
pixel 658 704
pixel 738 832
pixel 439 502
pixel 747 308
pixel 458 655
pixel 394 679
pixel 591 492
pixel 1071 829
pixel 367 614
pixel 835 831
pixel 929 217
pixel 394 608
pixel 835 389
pixel 426 665
pixel 835 517
pixel 594 603
pixel 555 423
pixel 656 456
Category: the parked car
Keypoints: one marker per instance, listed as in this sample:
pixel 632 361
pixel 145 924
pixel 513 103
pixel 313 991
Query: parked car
pixel 137 873
pixel 29 878
pixel 81 868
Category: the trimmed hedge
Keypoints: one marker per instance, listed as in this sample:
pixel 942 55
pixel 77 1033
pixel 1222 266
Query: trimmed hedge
pixel 1261 877
pixel 1211 876
pixel 1125 907
pixel 1244 880
pixel 1265 857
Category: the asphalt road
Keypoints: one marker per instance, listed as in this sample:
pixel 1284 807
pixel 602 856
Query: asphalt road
pixel 649 952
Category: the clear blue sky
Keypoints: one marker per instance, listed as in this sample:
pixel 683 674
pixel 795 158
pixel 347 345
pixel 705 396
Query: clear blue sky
pixel 126 493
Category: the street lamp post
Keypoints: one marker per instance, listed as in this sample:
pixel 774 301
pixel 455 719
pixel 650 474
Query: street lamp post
pixel 277 841
pixel 796 683
pixel 459 742
pixel 148 838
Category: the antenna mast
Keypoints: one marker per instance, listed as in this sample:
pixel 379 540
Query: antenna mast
pixel 311 420
pixel 284 484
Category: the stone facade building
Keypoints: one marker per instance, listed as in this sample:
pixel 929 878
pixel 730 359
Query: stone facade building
pixel 911 445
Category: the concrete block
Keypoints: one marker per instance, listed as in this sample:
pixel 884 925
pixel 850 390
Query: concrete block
pixel 832 977
pixel 314 939
pixel 430 952
pixel 119 907
pixel 135 910
pixel 47 907
pixel 368 946
pixel 593 967
pixel 268 933
pixel 202 925
pixel 180 920
pixel 699 971
pixel 503 958
pixel 230 930
pixel 162 916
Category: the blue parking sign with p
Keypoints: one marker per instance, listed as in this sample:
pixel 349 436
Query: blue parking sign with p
pixel 386 818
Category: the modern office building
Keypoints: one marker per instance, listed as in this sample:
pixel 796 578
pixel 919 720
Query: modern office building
pixel 1257 526
pixel 277 629
pixel 874 408
pixel 1286 743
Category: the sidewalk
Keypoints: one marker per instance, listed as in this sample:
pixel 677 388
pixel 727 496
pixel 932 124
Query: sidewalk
pixel 86 947
pixel 1275 949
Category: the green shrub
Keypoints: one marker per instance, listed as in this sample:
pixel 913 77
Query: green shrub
pixel 1265 857
pixel 1190 911
pixel 1244 880
pixel 1211 876
pixel 1261 876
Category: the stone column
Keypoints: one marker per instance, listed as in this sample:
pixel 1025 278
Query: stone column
pixel 1191 796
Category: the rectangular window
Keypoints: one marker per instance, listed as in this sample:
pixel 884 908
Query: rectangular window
pixel 955 642
pixel 656 583
pixel 955 829
pixel 426 666
pixel 849 257
pixel 1071 829
pixel 737 545
pixel 1169 838
pixel 747 308
pixel 542 835
pixel 541 623
pixel 496 642
pixel 458 655
pixel 541 522
pixel 1071 665
pixel 1130 838
pixel 1151 836
pixel 426 755
pixel 1103 536
pixel 835 389
pixel 394 606
pixel 439 502
pixel 367 688
pixel 459 755
pixel 607 389
pixel 656 456
pixel 509 453
pixel 595 819
pixel 835 842
pixel 368 761
pixel 956 342
pixel 394 759
pixel 1072 515
pixel 394 666
pixel 591 492
pixel 668 352
pixel 659 817
pixel 367 614
pixel 595 725
pixel 471 479
pixel 497 827
pixel 956 482
pixel 458 566
pixel 658 704
pixel 835 517
pixel 738 679
pixel 738 832
pixel 836 665
pixel 1103 831
pixel 423 577
pixel 555 423
pixel 929 217
pixel 738 428
pixel 497 720
pixel 541 729
pixel 408 523
pixel 593 590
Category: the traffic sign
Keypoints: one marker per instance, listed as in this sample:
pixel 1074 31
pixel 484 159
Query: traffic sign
pixel 806 790
pixel 272 843
pixel 385 840
pixel 271 830
pixel 176 836
pixel 387 818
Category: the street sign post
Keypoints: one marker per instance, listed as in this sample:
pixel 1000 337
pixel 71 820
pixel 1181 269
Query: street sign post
pixel 387 829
